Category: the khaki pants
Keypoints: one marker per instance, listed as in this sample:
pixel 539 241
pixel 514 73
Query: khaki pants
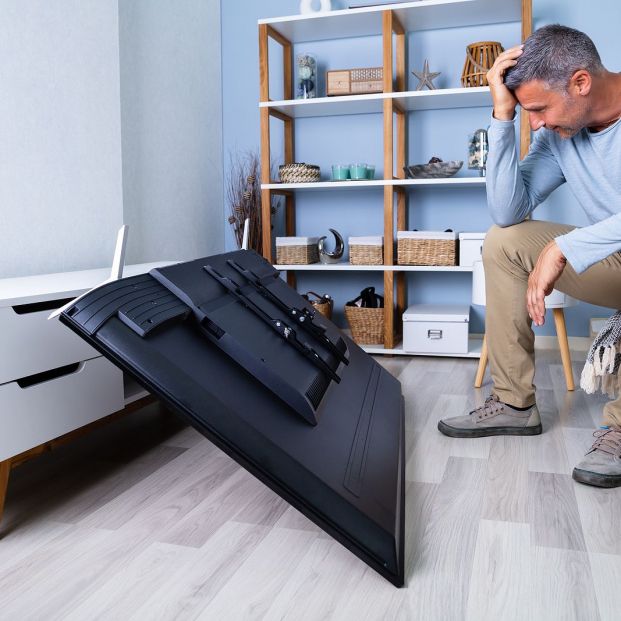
pixel 509 255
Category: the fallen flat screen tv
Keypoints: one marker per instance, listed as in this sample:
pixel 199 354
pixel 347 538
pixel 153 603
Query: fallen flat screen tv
pixel 242 357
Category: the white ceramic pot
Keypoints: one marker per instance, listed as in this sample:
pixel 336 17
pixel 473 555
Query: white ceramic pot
pixel 315 6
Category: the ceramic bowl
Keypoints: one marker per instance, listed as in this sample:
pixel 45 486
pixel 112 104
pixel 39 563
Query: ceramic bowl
pixel 437 170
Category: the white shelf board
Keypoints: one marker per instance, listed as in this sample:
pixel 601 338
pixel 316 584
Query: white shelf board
pixel 445 98
pixel 475 343
pixel 439 99
pixel 44 287
pixel 417 15
pixel 347 267
pixel 455 182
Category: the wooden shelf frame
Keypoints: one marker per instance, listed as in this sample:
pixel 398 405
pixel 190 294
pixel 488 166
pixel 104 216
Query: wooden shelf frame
pixel 395 103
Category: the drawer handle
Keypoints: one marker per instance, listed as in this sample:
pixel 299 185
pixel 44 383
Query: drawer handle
pixel 434 334
pixel 46 376
pixel 36 307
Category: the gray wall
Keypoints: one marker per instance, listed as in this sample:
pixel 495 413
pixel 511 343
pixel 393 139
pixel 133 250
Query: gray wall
pixel 110 112
pixel 60 135
pixel 171 115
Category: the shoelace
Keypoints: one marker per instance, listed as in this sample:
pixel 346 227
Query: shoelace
pixel 607 441
pixel 492 406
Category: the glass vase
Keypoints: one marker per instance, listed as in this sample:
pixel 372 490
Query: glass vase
pixel 306 85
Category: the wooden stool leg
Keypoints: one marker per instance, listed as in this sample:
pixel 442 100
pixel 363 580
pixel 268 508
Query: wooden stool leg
pixel 478 380
pixel 561 333
pixel 5 469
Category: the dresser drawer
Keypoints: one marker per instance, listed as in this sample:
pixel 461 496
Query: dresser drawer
pixel 41 412
pixel 30 344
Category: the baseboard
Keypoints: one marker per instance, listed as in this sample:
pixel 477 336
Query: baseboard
pixel 576 343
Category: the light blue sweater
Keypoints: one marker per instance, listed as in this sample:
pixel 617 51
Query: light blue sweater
pixel 589 162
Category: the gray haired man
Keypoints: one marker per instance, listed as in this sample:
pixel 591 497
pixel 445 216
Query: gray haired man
pixel 574 106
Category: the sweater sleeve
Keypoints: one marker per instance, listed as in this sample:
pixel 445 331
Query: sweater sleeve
pixel 585 246
pixel 515 188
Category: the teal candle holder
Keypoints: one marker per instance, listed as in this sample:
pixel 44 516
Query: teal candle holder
pixel 358 171
pixel 370 171
pixel 340 172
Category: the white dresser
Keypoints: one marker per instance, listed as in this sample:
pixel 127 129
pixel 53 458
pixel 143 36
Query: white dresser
pixel 51 381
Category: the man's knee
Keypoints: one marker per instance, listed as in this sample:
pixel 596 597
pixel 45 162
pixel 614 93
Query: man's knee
pixel 499 241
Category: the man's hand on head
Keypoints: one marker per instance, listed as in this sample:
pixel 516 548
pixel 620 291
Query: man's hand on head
pixel 547 271
pixel 504 100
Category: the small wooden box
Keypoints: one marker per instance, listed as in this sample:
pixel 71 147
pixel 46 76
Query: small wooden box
pixel 355 81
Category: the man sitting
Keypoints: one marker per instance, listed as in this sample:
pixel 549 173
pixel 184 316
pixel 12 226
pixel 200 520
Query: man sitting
pixel 574 106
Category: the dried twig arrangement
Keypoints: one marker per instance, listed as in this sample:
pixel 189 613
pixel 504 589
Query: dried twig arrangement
pixel 243 193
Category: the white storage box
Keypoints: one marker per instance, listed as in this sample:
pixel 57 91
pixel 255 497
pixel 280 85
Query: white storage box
pixel 470 248
pixel 436 329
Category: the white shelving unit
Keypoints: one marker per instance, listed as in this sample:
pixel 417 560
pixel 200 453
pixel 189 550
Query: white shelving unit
pixel 391 22
pixel 346 267
pixel 440 99
pixel 475 344
pixel 454 182
pixel 413 16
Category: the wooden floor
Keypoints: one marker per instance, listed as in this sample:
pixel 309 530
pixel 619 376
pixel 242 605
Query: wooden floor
pixel 145 519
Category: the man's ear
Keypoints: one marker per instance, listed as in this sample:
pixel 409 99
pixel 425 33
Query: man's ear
pixel 580 83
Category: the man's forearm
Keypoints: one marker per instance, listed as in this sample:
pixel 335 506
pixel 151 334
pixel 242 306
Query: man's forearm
pixel 507 199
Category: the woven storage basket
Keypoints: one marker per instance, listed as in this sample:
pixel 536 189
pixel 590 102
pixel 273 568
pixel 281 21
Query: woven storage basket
pixel 299 173
pixel 296 250
pixel 321 303
pixel 426 248
pixel 366 250
pixel 366 324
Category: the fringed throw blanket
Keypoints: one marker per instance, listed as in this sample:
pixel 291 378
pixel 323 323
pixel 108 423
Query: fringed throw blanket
pixel 604 359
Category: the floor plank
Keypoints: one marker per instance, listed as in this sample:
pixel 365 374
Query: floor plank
pixel 563 587
pixel 500 587
pixel 554 515
pixel 506 485
pixel 606 570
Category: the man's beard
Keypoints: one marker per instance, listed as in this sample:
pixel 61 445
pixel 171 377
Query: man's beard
pixel 566 132
pixel 581 121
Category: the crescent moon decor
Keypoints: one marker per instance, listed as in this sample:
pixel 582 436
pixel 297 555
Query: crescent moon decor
pixel 308 6
pixel 336 255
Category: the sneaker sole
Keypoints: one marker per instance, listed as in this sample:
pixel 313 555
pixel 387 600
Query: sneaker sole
pixel 596 479
pixel 454 432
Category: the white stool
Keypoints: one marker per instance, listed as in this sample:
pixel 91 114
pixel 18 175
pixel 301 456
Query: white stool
pixel 557 301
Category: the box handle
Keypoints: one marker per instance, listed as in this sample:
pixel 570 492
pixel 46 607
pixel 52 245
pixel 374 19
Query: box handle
pixel 434 334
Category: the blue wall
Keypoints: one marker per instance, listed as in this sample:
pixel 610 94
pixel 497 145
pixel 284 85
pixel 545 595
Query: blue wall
pixel 359 138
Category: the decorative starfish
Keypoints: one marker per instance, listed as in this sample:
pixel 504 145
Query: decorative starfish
pixel 426 77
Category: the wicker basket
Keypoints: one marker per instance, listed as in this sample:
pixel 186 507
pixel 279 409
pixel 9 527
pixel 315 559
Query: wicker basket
pixel 296 250
pixel 366 250
pixel 479 60
pixel 366 324
pixel 299 173
pixel 321 303
pixel 426 248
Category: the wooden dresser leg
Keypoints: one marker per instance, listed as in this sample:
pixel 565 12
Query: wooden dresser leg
pixel 478 380
pixel 5 469
pixel 563 343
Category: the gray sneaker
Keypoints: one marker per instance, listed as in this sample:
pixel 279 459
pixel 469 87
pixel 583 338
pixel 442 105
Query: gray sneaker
pixel 601 466
pixel 493 418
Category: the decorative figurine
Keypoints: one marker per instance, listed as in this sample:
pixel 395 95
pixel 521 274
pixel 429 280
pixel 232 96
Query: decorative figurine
pixel 336 255
pixel 426 77
pixel 307 76
pixel 477 151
